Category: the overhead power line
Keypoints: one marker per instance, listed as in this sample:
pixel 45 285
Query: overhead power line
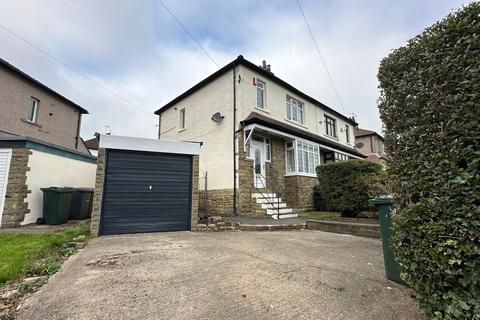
pixel 126 101
pixel 188 33
pixel 321 57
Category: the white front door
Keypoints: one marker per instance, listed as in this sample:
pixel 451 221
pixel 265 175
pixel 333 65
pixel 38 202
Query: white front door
pixel 259 165
pixel 5 156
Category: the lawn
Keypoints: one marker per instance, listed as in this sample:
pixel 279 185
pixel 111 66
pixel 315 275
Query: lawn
pixel 35 254
pixel 319 214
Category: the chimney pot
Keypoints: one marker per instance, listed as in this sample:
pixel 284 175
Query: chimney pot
pixel 264 64
pixel 269 67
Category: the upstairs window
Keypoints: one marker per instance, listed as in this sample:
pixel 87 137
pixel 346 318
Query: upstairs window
pixel 295 110
pixel 182 119
pixel 347 132
pixel 260 94
pixel 330 126
pixel 32 110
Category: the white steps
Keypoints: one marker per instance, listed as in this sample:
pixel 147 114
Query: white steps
pixel 274 206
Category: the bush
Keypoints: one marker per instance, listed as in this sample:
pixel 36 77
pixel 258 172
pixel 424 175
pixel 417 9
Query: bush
pixel 346 186
pixel 430 106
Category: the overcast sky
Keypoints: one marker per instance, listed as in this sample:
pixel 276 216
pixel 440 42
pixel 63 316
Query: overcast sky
pixel 136 49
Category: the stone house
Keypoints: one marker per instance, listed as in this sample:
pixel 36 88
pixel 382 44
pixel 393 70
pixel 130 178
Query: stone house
pixel 262 139
pixel 40 145
pixel 370 144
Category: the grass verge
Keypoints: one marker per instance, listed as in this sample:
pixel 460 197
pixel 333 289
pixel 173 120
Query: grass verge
pixel 319 214
pixel 35 254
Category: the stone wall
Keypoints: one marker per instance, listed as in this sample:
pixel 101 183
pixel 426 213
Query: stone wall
pixel 245 179
pixel 98 193
pixel 299 192
pixel 195 175
pixel 15 207
pixel 218 202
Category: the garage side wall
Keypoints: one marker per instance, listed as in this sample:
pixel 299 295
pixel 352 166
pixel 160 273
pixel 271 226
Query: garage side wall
pixel 98 193
pixel 195 192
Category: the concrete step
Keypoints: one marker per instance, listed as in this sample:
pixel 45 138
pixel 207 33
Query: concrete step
pixel 260 195
pixel 285 216
pixel 281 211
pixel 273 206
pixel 268 200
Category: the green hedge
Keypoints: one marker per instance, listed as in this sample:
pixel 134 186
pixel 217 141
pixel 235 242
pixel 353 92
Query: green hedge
pixel 346 186
pixel 430 106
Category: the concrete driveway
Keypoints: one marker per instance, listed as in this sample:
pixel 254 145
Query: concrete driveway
pixel 235 275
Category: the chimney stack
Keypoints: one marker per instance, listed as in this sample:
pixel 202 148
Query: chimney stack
pixel 265 66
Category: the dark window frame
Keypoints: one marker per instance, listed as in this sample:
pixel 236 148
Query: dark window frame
pixel 331 126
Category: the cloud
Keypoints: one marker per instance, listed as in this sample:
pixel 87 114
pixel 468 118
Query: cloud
pixel 138 51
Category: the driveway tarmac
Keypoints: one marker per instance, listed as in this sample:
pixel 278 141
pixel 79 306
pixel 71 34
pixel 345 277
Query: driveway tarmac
pixel 226 275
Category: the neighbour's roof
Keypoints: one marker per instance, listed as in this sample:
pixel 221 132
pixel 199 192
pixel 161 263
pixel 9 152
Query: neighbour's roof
pixel 257 118
pixel 92 143
pixel 358 132
pixel 41 85
pixel 267 74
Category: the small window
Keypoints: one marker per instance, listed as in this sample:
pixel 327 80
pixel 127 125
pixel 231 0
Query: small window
pixel 290 155
pixel 294 110
pixel 340 157
pixel 182 119
pixel 347 132
pixel 331 126
pixel 260 94
pixel 32 110
pixel 268 149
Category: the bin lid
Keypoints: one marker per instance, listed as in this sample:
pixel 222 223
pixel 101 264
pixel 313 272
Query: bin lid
pixel 386 199
pixel 84 189
pixel 58 189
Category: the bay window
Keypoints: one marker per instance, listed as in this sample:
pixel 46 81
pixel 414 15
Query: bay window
pixel 302 157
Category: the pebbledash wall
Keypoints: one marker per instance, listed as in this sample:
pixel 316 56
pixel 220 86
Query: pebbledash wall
pixel 34 165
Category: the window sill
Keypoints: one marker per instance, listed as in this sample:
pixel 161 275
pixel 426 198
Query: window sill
pixel 312 175
pixel 31 123
pixel 180 130
pixel 296 123
pixel 331 137
pixel 263 110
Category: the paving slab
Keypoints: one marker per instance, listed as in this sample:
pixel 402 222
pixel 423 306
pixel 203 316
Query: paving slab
pixel 236 275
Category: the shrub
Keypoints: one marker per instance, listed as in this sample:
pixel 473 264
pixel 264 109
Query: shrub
pixel 346 186
pixel 430 106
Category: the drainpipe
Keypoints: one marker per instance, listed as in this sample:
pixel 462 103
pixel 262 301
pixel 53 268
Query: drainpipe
pixel 79 122
pixel 234 213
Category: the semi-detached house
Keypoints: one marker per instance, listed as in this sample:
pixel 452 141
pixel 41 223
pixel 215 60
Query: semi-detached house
pixel 262 139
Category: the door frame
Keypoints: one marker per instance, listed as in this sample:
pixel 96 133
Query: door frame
pixel 263 179
pixel 5 183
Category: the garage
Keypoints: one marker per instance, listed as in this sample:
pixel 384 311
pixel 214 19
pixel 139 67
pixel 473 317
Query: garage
pixel 145 185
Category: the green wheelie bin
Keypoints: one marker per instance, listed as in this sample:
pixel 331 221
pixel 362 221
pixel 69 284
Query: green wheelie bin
pixel 56 204
pixel 384 206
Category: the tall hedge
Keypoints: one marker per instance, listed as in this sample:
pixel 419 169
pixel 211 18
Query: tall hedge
pixel 346 186
pixel 430 106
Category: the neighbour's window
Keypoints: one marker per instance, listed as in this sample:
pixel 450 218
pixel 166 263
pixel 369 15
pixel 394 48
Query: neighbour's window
pixel 32 110
pixel 260 94
pixel 347 132
pixel 340 157
pixel 295 110
pixel 331 126
pixel 182 119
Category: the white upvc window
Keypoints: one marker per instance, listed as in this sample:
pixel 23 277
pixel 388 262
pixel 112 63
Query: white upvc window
pixel 340 157
pixel 182 119
pixel 295 110
pixel 260 94
pixel 302 157
pixel 32 110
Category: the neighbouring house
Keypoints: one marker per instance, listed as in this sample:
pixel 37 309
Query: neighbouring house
pixel 92 144
pixel 40 145
pixel 370 144
pixel 262 139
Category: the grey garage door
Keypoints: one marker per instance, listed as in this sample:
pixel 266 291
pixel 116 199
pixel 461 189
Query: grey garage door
pixel 146 192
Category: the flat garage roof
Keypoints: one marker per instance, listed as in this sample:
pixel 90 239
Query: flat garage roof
pixel 151 145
